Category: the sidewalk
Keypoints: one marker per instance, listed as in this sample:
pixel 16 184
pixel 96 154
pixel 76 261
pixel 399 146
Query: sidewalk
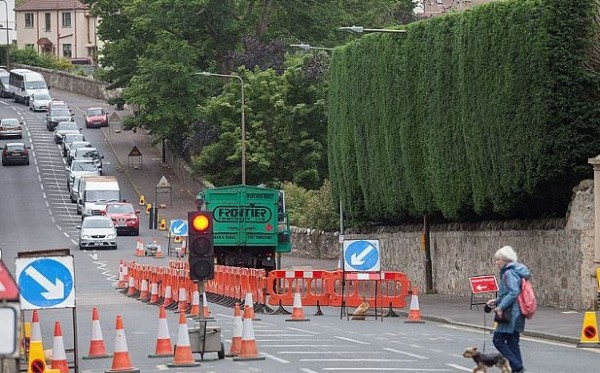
pixel 548 323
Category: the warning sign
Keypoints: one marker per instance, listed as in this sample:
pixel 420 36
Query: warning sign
pixel 135 152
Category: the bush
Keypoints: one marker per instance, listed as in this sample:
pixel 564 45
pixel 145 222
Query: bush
pixel 311 208
pixel 28 56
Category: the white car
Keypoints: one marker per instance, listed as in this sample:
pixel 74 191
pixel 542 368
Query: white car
pixel 96 232
pixel 81 167
pixel 39 101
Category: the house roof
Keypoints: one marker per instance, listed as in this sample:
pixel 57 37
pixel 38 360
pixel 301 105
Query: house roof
pixel 35 5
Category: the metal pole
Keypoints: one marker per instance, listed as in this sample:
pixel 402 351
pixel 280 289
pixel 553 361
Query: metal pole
pixel 243 145
pixel 428 267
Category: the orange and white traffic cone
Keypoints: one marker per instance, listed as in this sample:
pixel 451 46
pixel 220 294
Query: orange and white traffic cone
pixel 182 303
pixel 248 349
pixel 250 303
pixel 236 339
pixel 195 309
pixel 144 292
pixel 163 341
pixel 183 350
pixel 414 313
pixel 97 347
pixel 297 311
pixel 153 293
pixel 159 252
pixel 168 296
pixel 205 306
pixel 59 356
pixel 36 330
pixel 122 283
pixel 121 361
pixel 139 248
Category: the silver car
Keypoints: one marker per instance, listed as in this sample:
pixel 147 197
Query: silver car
pixel 39 101
pixel 96 232
pixel 79 168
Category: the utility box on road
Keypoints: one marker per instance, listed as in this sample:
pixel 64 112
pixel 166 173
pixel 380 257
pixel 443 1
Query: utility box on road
pixel 212 340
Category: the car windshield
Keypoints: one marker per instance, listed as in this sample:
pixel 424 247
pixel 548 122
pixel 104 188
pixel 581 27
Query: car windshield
pixel 15 147
pixel 84 153
pixel 35 85
pixel 95 112
pixel 84 166
pixel 41 97
pixel 102 195
pixel 67 126
pixel 10 122
pixel 97 223
pixel 60 113
pixel 120 209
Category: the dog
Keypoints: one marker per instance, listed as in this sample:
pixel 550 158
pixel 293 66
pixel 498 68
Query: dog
pixel 484 361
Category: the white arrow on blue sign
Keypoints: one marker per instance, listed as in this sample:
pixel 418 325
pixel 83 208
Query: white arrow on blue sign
pixel 179 227
pixel 361 255
pixel 46 282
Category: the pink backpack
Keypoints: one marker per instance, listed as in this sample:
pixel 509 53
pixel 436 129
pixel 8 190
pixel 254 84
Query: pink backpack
pixel 526 299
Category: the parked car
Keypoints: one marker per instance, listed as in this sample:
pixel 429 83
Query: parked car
pixel 39 101
pixel 15 153
pixel 89 153
pixel 80 168
pixel 11 127
pixel 124 216
pixel 74 146
pixel 62 128
pixel 57 115
pixel 56 104
pixel 68 139
pixel 96 232
pixel 96 117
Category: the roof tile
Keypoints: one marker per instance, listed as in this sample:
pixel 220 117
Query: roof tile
pixel 34 5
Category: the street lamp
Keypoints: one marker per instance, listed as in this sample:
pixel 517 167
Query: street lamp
pixel 205 73
pixel 360 29
pixel 309 47
pixel 7 28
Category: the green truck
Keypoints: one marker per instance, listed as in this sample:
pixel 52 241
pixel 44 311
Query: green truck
pixel 250 225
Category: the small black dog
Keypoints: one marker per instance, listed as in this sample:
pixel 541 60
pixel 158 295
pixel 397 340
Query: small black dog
pixel 484 361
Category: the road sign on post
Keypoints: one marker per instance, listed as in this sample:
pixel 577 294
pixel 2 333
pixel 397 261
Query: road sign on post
pixel 483 284
pixel 179 228
pixel 46 282
pixel 361 256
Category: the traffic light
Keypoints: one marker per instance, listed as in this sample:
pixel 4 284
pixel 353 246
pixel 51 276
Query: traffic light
pixel 200 245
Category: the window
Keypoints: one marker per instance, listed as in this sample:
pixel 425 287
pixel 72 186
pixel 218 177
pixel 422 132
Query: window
pixel 66 19
pixel 67 52
pixel 28 20
pixel 47 23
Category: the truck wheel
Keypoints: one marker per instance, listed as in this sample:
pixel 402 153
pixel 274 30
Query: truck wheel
pixel 221 353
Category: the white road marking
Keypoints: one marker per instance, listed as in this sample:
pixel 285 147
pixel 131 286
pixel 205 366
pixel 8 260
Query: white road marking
pixel 406 353
pixel 373 369
pixel 351 340
pixel 459 367
pixel 362 360
pixel 302 346
pixel 283 361
pixel 329 352
pixel 306 370
pixel 303 331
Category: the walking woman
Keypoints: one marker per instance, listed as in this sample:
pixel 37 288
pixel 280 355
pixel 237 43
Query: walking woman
pixel 510 320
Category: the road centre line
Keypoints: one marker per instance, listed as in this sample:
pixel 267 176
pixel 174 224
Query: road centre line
pixel 361 360
pixel 291 340
pixel 351 340
pixel 302 346
pixel 283 361
pixel 406 353
pixel 329 352
pixel 303 330
pixel 282 335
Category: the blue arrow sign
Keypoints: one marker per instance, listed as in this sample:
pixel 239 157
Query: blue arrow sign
pixel 361 255
pixel 47 282
pixel 179 227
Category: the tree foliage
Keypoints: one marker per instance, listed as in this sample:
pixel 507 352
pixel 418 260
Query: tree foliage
pixel 491 112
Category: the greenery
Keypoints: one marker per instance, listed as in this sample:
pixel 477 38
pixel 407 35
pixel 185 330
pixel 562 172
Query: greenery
pixel 486 113
pixel 311 208
pixel 29 56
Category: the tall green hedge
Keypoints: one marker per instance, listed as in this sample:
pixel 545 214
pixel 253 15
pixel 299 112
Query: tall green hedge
pixel 489 112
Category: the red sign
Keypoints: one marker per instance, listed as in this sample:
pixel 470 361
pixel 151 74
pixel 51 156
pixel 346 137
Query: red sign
pixel 483 284
pixel 8 287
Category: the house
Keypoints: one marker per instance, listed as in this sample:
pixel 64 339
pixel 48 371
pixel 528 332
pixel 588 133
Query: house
pixel 64 28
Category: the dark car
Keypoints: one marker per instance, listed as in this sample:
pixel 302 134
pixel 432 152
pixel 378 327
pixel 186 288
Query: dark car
pixel 62 128
pixel 15 153
pixel 60 114
pixel 125 218
pixel 96 117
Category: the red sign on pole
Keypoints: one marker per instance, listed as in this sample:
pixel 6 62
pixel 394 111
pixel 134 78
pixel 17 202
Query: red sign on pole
pixel 8 287
pixel 483 284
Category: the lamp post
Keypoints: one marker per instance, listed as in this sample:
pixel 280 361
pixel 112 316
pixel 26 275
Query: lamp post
pixel 360 29
pixel 307 47
pixel 243 144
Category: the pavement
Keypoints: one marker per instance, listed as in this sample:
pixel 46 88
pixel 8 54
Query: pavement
pixel 548 323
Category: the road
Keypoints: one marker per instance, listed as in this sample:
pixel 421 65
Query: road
pixel 36 213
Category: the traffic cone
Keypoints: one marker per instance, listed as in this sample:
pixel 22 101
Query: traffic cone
pixel 297 311
pixel 205 306
pixel 248 349
pixel 139 247
pixel 159 253
pixel 182 304
pixel 59 356
pixel 153 293
pixel 414 313
pixel 36 330
pixel 236 339
pixel 122 283
pixel 97 347
pixel 168 296
pixel 131 291
pixel 36 361
pixel 195 309
pixel 144 292
pixel 163 341
pixel 250 303
pixel 183 350
pixel 121 361
pixel 589 331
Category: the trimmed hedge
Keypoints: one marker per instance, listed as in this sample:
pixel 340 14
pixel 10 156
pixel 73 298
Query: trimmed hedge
pixel 487 113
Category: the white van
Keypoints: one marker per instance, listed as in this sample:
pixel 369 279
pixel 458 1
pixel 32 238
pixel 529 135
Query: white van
pixel 96 192
pixel 22 83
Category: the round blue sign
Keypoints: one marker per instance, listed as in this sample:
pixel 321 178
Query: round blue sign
pixel 362 256
pixel 45 283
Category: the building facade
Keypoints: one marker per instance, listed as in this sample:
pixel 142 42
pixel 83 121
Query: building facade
pixel 64 28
